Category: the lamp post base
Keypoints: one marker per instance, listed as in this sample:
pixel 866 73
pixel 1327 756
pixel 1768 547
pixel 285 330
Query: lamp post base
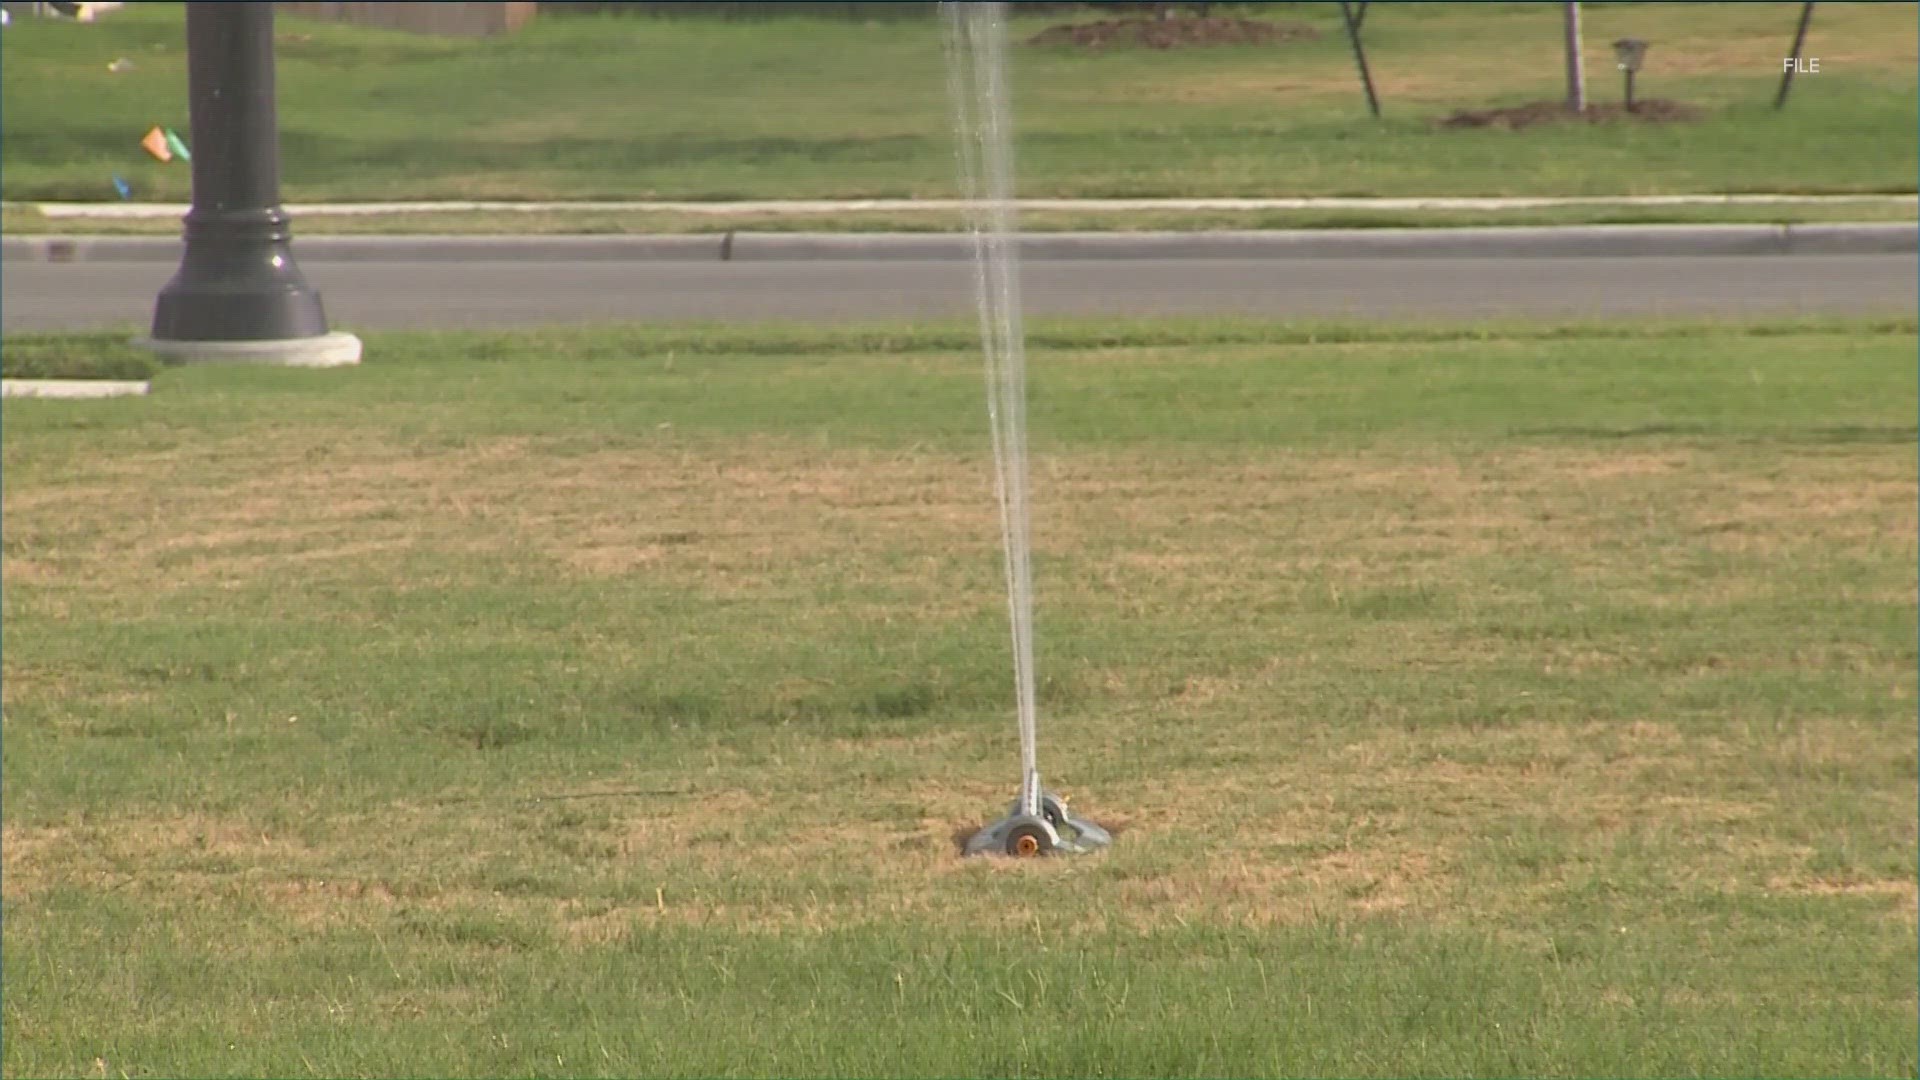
pixel 336 349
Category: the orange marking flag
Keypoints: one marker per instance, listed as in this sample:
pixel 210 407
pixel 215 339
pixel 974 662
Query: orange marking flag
pixel 156 144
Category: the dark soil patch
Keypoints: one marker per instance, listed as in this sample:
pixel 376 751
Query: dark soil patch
pixel 1653 110
pixel 1176 33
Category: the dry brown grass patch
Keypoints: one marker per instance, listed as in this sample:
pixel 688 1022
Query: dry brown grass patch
pixel 1901 894
pixel 129 850
pixel 729 521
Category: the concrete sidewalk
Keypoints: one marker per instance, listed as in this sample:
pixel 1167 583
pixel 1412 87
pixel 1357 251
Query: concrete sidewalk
pixel 1589 241
pixel 125 211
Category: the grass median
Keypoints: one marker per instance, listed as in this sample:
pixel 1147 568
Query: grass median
pixel 1512 699
pixel 75 356
pixel 639 108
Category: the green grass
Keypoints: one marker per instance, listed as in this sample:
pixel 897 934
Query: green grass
pixel 634 108
pixel 74 356
pixel 1528 700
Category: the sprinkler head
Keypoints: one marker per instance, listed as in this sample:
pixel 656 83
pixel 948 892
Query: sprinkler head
pixel 1028 836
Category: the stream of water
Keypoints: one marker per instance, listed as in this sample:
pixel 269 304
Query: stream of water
pixel 976 39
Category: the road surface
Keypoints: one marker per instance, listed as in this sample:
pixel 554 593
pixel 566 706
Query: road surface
pixel 362 295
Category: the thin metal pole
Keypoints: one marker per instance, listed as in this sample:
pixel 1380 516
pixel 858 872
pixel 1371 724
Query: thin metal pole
pixel 1799 42
pixel 1360 14
pixel 1576 69
pixel 1360 57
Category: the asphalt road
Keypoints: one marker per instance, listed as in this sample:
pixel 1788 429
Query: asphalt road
pixel 362 295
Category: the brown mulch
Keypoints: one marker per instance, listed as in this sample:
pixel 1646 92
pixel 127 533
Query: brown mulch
pixel 1652 110
pixel 1176 33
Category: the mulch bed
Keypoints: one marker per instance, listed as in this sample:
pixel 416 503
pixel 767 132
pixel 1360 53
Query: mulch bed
pixel 1176 33
pixel 1652 110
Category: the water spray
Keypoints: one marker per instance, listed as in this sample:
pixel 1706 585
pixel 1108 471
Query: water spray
pixel 1038 822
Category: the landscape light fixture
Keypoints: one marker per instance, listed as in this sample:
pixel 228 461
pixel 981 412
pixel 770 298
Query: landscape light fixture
pixel 1631 53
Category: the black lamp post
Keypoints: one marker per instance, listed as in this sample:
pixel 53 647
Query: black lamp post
pixel 238 294
pixel 1630 52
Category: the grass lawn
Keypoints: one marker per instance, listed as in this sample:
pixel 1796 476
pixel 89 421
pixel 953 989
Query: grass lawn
pixel 633 108
pixel 1513 700
pixel 76 356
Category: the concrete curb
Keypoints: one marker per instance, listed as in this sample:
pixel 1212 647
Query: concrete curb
pixel 423 248
pixel 73 388
pixel 1590 241
pixel 124 211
